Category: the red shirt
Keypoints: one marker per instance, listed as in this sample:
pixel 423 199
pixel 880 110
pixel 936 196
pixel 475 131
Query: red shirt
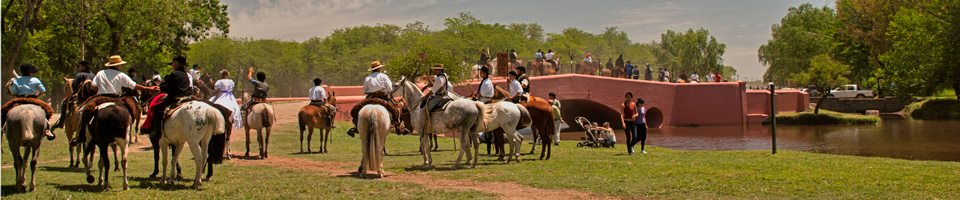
pixel 629 109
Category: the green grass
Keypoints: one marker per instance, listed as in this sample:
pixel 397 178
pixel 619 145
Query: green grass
pixel 661 174
pixel 56 181
pixel 825 117
pixel 935 108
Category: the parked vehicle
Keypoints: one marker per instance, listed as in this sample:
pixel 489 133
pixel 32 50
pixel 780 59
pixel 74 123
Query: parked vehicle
pixel 851 91
pixel 812 90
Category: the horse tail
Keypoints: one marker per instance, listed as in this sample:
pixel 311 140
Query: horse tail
pixel 216 117
pixel 483 117
pixel 301 120
pixel 267 116
pixel 525 119
pixel 26 126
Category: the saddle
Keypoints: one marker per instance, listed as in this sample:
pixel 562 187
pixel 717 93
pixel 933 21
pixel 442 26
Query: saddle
pixel 436 103
pixel 24 100
pixel 90 105
pixel 176 104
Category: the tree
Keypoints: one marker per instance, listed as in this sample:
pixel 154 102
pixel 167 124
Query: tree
pixel 690 51
pixel 806 31
pixel 824 72
pixel 924 57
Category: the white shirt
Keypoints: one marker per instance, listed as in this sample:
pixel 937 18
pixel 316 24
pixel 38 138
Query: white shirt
pixel 588 59
pixel 550 56
pixel 539 55
pixel 486 88
pixel 694 77
pixel 377 82
pixel 318 93
pixel 439 82
pixel 224 85
pixel 710 77
pixel 515 88
pixel 194 74
pixel 111 81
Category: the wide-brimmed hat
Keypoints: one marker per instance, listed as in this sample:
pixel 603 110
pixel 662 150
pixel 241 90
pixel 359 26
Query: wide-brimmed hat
pixel 375 65
pixel 437 66
pixel 115 60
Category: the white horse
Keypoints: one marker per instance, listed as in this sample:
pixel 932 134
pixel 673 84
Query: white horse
pixel 508 116
pixel 260 118
pixel 373 125
pixel 195 123
pixel 464 116
pixel 25 128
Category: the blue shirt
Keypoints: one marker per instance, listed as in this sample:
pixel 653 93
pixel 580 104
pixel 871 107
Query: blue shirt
pixel 27 85
pixel 641 116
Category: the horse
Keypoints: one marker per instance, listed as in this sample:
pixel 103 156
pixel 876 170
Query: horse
pixel 542 125
pixel 25 128
pixel 72 124
pixel 373 125
pixel 542 67
pixel 109 126
pixel 312 117
pixel 587 68
pixel 462 115
pixel 194 123
pixel 261 118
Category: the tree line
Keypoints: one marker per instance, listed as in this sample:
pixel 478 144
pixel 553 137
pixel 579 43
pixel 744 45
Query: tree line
pixel 908 48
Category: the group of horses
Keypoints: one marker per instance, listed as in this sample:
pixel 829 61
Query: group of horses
pixel 202 126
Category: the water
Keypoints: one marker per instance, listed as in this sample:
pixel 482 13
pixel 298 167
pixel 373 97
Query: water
pixel 894 138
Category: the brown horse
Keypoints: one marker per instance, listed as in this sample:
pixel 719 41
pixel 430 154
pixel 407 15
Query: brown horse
pixel 314 117
pixel 72 123
pixel 542 127
pixel 542 68
pixel 587 68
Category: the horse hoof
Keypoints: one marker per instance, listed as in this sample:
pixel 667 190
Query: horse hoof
pixel 246 154
pixel 89 179
pixel 196 186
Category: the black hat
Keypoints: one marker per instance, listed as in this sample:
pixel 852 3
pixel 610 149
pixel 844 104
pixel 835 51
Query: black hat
pixel 484 69
pixel 180 59
pixel 28 69
pixel 522 69
pixel 84 63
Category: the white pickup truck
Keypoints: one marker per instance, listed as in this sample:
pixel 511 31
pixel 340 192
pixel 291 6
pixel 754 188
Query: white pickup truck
pixel 850 91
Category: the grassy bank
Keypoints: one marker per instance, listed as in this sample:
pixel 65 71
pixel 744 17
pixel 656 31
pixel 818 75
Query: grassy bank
pixel 661 174
pixel 935 108
pixel 825 117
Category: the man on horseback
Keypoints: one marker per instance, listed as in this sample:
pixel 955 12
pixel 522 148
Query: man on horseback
pixel 485 91
pixel 27 89
pixel 378 88
pixel 83 74
pixel 524 81
pixel 109 83
pixel 437 97
pixel 515 94
pixel 260 89
pixel 178 87
pixel 318 97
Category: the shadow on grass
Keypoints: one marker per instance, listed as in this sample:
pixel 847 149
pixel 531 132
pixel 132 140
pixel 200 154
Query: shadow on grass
pixel 8 190
pixel 154 183
pixel 306 153
pixel 61 169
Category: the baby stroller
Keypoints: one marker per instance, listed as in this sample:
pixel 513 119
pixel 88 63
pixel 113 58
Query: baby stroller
pixel 591 138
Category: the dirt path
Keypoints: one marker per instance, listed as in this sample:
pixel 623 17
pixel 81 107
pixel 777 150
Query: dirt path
pixel 505 190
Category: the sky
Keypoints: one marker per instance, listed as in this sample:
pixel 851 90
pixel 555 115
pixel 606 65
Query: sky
pixel 743 25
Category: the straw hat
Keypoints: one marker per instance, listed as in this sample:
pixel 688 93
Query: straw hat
pixel 115 60
pixel 375 65
pixel 438 66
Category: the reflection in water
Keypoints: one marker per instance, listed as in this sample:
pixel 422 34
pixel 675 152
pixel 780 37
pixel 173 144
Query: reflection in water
pixel 895 138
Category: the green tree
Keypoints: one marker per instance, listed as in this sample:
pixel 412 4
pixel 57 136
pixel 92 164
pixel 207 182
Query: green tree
pixel 924 57
pixel 690 51
pixel 824 72
pixel 806 31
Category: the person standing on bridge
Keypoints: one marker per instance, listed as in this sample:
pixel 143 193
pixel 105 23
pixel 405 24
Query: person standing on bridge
pixel 628 116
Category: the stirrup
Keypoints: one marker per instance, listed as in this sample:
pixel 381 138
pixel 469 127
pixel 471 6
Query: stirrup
pixel 352 131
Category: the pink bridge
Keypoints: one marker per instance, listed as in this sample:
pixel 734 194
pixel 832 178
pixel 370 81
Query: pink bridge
pixel 668 104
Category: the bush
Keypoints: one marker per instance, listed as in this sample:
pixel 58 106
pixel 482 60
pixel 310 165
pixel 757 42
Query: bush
pixel 934 108
pixel 826 118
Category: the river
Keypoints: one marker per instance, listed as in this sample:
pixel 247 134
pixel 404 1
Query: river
pixel 895 137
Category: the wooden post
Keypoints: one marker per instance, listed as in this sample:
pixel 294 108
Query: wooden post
pixel 773 116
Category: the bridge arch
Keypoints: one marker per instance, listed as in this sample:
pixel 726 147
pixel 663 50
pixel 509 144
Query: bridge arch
pixel 592 110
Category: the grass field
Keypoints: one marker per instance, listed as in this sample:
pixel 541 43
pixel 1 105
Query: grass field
pixel 661 174
pixel 825 117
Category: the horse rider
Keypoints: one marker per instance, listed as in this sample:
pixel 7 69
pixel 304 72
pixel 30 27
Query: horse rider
pixel 318 97
pixel 27 89
pixel 109 83
pixel 513 57
pixel 524 80
pixel 178 87
pixel 550 55
pixel 260 89
pixel 437 97
pixel 484 58
pixel 538 56
pixel 485 90
pixel 515 94
pixel 588 58
pixel 83 74
pixel 378 88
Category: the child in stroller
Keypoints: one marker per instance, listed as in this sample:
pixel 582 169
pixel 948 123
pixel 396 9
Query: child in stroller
pixel 595 136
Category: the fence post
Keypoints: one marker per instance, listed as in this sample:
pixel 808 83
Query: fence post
pixel 773 116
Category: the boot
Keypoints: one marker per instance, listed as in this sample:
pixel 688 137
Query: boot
pixel 352 132
pixel 49 134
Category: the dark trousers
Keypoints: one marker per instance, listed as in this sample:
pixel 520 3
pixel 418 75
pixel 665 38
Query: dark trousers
pixel 641 136
pixel 630 131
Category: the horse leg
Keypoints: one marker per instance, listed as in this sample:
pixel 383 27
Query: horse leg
pixel 209 172
pixel 18 164
pixel 70 147
pixel 536 138
pixel 266 144
pixel 116 163
pixel 544 144
pixel 164 150
pixel 325 136
pixel 425 147
pixel 175 160
pixel 156 156
pixel 33 166
pixel 199 151
pixel 301 141
pixel 309 140
pixel 435 144
pixel 123 162
pixel 515 141
pixel 87 161
pixel 456 164
pixel 105 166
pixel 246 132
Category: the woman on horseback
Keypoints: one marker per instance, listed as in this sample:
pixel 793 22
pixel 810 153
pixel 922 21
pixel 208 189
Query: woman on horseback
pixel 27 89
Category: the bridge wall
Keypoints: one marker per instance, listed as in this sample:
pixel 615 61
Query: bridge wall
pixel 701 104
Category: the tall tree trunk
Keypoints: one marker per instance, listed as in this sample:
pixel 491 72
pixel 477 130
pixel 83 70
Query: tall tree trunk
pixel 816 109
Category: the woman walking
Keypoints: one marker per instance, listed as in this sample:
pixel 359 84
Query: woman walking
pixel 628 116
pixel 225 97
pixel 641 126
